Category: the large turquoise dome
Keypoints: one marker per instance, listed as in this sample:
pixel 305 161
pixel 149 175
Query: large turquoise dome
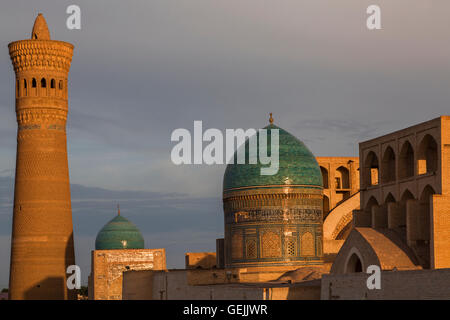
pixel 297 166
pixel 274 220
pixel 119 233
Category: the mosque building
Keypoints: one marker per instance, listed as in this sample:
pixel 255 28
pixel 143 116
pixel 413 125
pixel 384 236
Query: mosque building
pixel 392 213
pixel 273 230
pixel 119 247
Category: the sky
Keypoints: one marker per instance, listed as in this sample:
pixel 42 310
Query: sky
pixel 142 69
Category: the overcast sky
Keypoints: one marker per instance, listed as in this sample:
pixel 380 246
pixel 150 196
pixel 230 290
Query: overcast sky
pixel 144 68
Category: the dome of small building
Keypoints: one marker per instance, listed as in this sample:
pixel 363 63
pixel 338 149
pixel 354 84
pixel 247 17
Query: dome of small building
pixel 297 165
pixel 119 233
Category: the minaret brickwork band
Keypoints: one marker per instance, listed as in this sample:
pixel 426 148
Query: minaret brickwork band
pixel 42 236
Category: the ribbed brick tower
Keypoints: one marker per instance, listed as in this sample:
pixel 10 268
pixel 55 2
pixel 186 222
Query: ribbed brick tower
pixel 42 235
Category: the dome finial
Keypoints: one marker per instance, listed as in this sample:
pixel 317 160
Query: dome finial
pixel 271 119
pixel 40 29
pixel 118 209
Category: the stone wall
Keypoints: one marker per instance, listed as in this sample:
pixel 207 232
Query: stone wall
pixel 177 285
pixel 137 285
pixel 107 267
pixel 173 285
pixel 414 284
pixel 202 260
pixel 440 232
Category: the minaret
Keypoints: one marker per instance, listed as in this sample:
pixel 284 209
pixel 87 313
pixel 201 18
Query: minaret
pixel 42 234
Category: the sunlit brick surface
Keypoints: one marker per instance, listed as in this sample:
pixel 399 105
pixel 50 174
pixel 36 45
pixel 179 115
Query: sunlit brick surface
pixel 42 236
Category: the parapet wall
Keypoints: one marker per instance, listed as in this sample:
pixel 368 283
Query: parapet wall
pixel 403 285
pixel 175 285
pixel 108 266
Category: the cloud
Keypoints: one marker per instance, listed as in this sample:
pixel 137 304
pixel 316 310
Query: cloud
pixel 177 222
pixel 141 71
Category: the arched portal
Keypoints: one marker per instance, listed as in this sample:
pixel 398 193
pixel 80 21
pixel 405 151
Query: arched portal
pixel 388 166
pixel 418 226
pixel 43 89
pixel 366 214
pixel 406 161
pixel 354 264
pixel 398 219
pixel 324 177
pixel 390 198
pixel 342 178
pixel 371 169
pixel 427 158
pixel 33 87
pixel 425 213
pixel 372 202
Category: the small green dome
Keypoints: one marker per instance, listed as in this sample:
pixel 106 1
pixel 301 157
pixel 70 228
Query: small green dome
pixel 119 233
pixel 297 166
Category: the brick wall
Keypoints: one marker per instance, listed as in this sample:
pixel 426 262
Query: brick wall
pixel 203 260
pixel 175 285
pixel 107 267
pixel 414 284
